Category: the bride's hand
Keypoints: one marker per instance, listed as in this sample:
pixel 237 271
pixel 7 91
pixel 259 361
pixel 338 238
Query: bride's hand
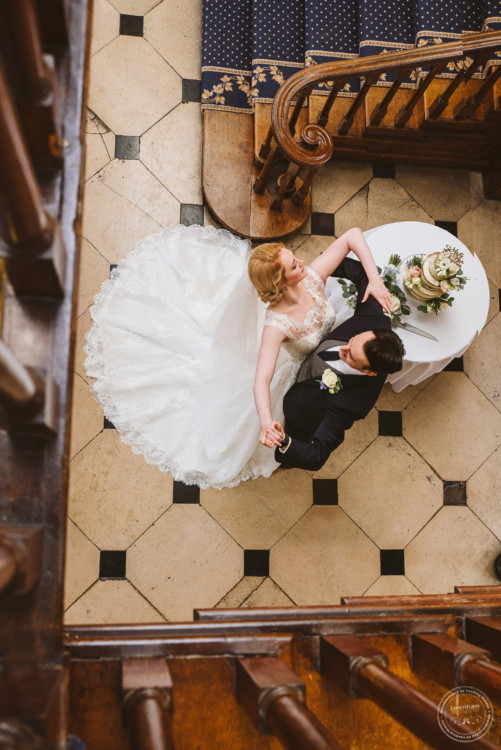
pixel 272 434
pixel 378 290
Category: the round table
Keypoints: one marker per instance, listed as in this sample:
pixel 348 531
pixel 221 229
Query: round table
pixel 454 328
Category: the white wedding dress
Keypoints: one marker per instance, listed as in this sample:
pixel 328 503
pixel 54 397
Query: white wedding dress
pixel 173 349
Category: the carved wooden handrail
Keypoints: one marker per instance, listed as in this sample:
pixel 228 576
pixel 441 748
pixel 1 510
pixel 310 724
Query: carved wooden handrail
pixel 312 147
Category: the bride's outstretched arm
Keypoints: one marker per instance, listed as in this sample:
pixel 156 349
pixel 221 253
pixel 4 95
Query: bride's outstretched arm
pixel 353 240
pixel 271 340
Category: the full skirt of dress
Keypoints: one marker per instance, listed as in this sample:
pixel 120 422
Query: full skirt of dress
pixel 172 354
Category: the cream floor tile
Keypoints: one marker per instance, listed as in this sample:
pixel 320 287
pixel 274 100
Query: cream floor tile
pixel 390 401
pixel 380 202
pixel 484 493
pixel 392 586
pixel 356 441
pixel 113 602
pixel 241 592
pixel 445 194
pixel 134 182
pixel 482 361
pixel 210 220
pixel 390 492
pixel 93 270
pixel 453 549
pixel 480 230
pixel 172 151
pixel 174 29
pixel 337 182
pixel 111 223
pixel 134 7
pixel 323 557
pixel 131 85
pixel 96 154
pixel 293 241
pixel 93 125
pixel 184 561
pixel 105 25
pixel 259 512
pixel 453 426
pixel 84 323
pixel 86 416
pixel 311 247
pixel 109 142
pixel 268 594
pixel 81 565
pixel 114 494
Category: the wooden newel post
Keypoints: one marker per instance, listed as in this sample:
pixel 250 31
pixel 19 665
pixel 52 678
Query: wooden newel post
pixel 273 696
pixel 147 703
pixel 28 397
pixel 34 74
pixel 361 671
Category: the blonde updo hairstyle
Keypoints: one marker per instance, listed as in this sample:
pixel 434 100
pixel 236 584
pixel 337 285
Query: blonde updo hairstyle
pixel 266 272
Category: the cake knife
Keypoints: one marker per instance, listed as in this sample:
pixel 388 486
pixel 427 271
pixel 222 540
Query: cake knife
pixel 415 329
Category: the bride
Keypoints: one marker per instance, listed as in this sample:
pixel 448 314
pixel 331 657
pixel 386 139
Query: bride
pixel 177 331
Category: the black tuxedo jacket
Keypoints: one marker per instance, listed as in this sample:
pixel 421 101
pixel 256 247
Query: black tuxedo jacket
pixel 317 420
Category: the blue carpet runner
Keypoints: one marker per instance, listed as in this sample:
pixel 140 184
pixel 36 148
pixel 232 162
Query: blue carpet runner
pixel 251 46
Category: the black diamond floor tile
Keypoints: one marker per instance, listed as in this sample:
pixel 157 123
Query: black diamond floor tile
pixel 322 224
pixel 325 492
pixel 390 423
pixel 454 493
pixel 449 226
pixel 457 365
pixel 191 90
pixel 108 425
pixel 131 25
pixel 392 562
pixel 383 170
pixel 256 562
pixel 191 213
pixel 112 563
pixel 185 493
pixel 127 147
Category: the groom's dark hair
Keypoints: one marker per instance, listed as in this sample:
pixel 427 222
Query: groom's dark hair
pixel 384 352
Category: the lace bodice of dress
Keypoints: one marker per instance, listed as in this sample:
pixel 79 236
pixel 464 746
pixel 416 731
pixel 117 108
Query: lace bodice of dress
pixel 303 337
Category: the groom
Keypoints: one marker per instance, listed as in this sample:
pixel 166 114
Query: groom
pixel 361 351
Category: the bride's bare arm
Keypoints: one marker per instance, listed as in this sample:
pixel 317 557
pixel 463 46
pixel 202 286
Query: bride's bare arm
pixel 353 240
pixel 271 340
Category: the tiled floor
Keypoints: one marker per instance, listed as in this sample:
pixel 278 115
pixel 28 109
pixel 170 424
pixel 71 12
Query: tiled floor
pixel 409 503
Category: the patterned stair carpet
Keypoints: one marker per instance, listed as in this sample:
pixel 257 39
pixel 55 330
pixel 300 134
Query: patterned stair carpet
pixel 251 46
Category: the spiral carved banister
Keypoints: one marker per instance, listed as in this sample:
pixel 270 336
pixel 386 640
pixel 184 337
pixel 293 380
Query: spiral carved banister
pixel 309 148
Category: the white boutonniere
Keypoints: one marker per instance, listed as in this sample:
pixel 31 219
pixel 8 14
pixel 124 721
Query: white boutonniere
pixel 330 381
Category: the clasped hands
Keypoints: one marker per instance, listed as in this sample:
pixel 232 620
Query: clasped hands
pixel 272 435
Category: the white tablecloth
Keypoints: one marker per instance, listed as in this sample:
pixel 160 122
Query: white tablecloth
pixel 455 328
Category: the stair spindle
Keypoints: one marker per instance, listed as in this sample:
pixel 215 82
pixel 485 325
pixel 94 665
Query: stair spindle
pixel 324 114
pixel 32 70
pixel 485 632
pixel 286 183
pixel 441 102
pixel 406 112
pixel 301 193
pixel 260 181
pixel 361 671
pixel 147 703
pixel 347 120
pixel 29 224
pixel 20 558
pixel 466 108
pixel 273 696
pixel 380 110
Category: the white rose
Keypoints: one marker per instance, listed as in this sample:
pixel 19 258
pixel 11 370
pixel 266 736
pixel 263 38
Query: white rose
pixel 395 304
pixel 452 268
pixel 454 281
pixel 330 380
pixel 443 305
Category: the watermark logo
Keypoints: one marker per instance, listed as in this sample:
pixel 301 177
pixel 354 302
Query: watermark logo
pixel 465 713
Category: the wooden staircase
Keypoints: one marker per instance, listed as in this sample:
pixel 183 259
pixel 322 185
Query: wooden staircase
pixel 267 166
pixel 369 673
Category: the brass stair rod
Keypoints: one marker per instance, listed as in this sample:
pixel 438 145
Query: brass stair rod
pixel 29 224
pixel 34 75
